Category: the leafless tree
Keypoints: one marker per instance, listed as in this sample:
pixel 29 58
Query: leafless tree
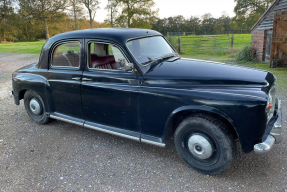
pixel 112 7
pixel 92 6
pixel 76 10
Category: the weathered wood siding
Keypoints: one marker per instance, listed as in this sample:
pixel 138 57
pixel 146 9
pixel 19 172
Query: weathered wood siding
pixel 279 40
pixel 267 22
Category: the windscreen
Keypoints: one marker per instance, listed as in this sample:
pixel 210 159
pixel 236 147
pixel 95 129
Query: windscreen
pixel 149 48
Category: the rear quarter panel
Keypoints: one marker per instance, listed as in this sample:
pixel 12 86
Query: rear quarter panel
pixel 30 79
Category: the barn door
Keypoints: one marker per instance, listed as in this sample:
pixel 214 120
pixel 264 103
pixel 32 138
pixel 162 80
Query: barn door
pixel 278 57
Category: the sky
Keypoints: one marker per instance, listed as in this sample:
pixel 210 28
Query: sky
pixel 168 8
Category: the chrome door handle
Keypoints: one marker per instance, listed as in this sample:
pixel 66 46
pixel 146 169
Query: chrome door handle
pixel 76 78
pixel 87 79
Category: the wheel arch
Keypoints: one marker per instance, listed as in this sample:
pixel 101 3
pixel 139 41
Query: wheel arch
pixel 22 82
pixel 183 112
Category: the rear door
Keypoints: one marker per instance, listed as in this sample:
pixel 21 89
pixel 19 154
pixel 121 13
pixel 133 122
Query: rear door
pixel 64 77
pixel 109 94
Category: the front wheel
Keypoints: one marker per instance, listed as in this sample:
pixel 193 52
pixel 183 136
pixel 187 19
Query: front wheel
pixel 205 144
pixel 35 107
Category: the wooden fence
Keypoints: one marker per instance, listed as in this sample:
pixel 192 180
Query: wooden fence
pixel 203 44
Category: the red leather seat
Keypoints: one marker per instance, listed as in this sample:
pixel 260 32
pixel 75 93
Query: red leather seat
pixel 107 62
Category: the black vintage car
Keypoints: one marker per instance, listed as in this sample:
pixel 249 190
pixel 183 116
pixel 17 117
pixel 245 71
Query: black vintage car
pixel 132 83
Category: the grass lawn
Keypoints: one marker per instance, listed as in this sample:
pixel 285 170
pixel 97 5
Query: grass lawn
pixel 214 47
pixel 22 47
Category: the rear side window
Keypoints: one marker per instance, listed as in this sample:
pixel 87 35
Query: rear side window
pixel 67 55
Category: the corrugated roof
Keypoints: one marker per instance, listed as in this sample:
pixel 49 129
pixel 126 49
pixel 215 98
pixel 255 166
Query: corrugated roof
pixel 266 12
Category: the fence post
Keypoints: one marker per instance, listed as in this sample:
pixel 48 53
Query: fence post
pixel 232 40
pixel 179 44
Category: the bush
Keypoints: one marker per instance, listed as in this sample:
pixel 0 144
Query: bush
pixel 247 54
pixel 231 52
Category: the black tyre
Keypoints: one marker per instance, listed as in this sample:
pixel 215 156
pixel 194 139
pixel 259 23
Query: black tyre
pixel 35 107
pixel 205 144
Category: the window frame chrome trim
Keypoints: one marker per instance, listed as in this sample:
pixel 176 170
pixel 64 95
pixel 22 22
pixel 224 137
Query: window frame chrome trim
pixel 142 37
pixel 108 43
pixel 57 44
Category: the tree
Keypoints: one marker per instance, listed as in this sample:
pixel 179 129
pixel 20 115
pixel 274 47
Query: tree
pixel 92 6
pixel 222 23
pixel 42 10
pixel 6 12
pixel 137 11
pixel 206 16
pixel 248 12
pixel 112 7
pixel 76 11
pixel 207 24
pixel 193 24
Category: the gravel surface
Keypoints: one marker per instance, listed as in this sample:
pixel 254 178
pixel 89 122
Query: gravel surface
pixel 65 157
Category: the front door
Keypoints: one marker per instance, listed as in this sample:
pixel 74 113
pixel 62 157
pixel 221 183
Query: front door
pixel 109 93
pixel 64 77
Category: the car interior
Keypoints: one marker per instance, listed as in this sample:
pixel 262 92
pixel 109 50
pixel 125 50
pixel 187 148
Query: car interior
pixel 67 55
pixel 102 56
pixel 70 59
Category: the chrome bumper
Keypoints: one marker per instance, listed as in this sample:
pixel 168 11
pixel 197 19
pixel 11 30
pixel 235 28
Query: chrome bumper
pixel 275 135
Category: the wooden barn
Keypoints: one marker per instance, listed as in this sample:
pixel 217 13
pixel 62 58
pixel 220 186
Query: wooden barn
pixel 268 35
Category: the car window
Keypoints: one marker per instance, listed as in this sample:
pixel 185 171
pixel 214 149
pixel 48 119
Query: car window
pixel 106 56
pixel 67 55
pixel 149 48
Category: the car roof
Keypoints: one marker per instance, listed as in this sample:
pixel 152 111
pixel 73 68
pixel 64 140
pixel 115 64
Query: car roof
pixel 120 35
pixel 117 35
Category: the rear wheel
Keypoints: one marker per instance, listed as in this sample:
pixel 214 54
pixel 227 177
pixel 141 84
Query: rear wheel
pixel 205 144
pixel 35 107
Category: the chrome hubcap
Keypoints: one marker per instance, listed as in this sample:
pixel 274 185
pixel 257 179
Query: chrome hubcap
pixel 200 147
pixel 35 107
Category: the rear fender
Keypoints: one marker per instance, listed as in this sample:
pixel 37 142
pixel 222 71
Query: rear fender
pixel 27 81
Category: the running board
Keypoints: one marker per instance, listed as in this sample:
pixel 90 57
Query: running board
pixel 106 129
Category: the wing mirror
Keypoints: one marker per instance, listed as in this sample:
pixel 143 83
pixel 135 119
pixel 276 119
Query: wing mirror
pixel 129 67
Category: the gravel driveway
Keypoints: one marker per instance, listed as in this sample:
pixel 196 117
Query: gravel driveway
pixel 65 157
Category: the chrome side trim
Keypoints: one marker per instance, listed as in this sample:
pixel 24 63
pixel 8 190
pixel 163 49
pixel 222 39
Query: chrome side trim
pixel 153 143
pixel 64 81
pixel 107 43
pixel 108 131
pixel 66 120
pixel 201 91
pixel 112 132
pixel 265 146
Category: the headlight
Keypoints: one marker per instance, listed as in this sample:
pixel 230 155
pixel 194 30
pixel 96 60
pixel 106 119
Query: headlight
pixel 270 107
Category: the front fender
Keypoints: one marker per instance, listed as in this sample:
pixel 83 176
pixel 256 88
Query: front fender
pixel 198 109
pixel 201 108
